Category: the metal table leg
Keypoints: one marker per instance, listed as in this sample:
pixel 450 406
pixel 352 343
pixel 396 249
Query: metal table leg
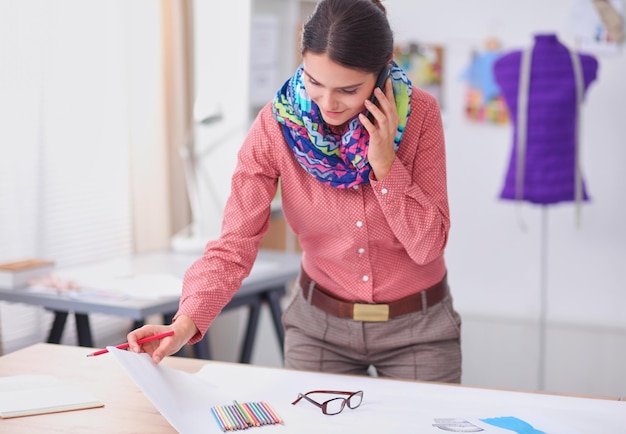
pixel 273 300
pixel 83 330
pixel 253 322
pixel 56 331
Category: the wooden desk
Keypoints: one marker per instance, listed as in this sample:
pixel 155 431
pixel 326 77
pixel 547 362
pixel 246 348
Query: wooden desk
pixel 266 283
pixel 389 406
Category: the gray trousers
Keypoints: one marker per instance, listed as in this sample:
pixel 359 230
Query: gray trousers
pixel 421 345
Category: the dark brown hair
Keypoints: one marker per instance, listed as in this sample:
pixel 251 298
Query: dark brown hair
pixel 354 33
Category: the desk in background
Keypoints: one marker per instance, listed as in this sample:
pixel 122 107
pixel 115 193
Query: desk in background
pixel 266 284
pixel 389 406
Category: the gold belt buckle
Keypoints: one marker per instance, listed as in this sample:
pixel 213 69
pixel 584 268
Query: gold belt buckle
pixel 370 312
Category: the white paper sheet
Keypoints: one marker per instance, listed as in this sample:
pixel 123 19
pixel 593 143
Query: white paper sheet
pixel 183 399
pixel 25 395
pixel 391 406
pixel 146 286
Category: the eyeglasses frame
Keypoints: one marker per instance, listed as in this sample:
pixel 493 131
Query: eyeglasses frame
pixel 324 404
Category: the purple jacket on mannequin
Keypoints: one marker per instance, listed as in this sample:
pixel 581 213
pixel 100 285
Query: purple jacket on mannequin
pixel 551 132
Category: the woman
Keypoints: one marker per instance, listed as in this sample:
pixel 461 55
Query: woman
pixel 368 201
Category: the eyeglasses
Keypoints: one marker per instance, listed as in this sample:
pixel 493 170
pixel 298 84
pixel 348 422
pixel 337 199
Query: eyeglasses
pixel 334 405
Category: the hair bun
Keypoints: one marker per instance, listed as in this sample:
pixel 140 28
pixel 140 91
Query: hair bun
pixel 380 6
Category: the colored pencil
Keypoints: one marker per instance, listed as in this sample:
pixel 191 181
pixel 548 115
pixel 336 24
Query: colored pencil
pixel 241 423
pixel 244 414
pixel 264 412
pixel 272 412
pixel 226 419
pixel 139 341
pixel 217 419
pixel 262 416
pixel 233 416
pixel 257 418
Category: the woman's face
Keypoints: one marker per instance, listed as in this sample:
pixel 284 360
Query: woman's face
pixel 339 92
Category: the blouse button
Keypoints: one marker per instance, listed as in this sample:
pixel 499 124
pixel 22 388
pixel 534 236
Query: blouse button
pixel 356 187
pixel 384 191
pixel 359 224
pixel 361 251
pixel 366 278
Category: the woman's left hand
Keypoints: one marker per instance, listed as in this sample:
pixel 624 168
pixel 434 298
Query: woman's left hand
pixel 381 154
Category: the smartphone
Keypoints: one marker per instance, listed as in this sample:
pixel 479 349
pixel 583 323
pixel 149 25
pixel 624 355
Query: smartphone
pixel 380 82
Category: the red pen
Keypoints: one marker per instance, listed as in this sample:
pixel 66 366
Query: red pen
pixel 140 341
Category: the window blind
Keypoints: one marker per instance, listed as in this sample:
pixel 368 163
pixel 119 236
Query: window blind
pixel 64 161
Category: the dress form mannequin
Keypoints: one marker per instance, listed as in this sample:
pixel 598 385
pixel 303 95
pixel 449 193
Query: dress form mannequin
pixel 551 134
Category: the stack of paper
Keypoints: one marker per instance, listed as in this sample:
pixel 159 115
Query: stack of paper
pixel 26 395
pixel 19 273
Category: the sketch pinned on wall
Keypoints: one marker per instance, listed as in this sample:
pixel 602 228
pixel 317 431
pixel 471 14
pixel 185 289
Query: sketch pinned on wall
pixel 483 101
pixel 264 58
pixel 598 26
pixel 423 64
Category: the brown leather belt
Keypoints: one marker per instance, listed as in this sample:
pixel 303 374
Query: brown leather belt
pixel 371 312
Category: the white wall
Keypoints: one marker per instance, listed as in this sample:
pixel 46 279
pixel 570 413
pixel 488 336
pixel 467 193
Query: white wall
pixel 222 53
pixel 222 56
pixel 494 266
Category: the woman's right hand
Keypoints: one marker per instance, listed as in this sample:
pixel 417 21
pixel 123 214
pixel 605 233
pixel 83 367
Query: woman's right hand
pixel 184 329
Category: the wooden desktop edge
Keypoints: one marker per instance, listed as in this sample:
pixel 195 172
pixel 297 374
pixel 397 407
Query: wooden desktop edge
pixel 192 365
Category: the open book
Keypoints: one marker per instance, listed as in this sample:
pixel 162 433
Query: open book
pixel 26 395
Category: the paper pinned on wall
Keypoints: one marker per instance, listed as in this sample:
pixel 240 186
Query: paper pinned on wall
pixel 264 51
pixel 591 32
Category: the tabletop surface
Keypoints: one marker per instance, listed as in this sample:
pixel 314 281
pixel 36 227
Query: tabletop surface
pixel 388 405
pixel 271 268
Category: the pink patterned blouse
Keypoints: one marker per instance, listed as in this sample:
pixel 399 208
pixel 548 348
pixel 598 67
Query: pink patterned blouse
pixel 377 242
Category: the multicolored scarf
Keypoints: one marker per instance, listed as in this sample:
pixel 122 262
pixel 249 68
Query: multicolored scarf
pixel 339 160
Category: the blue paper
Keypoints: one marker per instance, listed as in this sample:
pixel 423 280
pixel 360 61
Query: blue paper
pixel 514 424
